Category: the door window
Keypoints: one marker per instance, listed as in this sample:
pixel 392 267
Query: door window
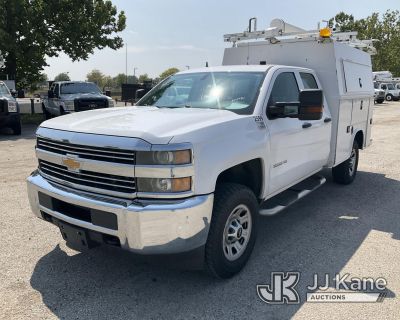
pixel 56 90
pixel 285 89
pixel 308 81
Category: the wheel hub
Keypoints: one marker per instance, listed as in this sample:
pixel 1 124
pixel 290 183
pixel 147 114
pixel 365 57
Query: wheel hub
pixel 237 232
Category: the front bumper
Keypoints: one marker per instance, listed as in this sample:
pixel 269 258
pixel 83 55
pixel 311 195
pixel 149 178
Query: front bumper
pixel 146 227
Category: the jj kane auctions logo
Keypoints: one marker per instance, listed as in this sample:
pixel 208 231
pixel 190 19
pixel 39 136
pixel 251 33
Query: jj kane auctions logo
pixel 339 288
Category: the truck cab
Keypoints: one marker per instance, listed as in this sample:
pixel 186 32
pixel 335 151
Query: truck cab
pixel 204 154
pixel 392 92
pixel 72 96
pixel 9 110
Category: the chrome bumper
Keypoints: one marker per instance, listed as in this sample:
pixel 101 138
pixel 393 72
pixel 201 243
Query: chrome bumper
pixel 147 227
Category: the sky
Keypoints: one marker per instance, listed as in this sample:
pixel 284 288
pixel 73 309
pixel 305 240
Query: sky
pixel 188 33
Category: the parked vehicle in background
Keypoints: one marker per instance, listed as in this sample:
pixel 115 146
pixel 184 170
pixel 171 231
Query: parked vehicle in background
pixel 9 110
pixel 72 96
pixel 391 92
pixel 205 152
pixel 379 96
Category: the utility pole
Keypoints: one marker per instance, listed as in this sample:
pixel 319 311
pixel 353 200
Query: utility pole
pixel 126 63
pixel 134 71
pixel 188 67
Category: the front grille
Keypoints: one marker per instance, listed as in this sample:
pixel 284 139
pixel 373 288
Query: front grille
pixel 85 104
pixel 119 185
pixel 86 152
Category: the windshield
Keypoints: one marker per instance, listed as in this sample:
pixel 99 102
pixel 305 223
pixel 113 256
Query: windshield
pixel 79 87
pixel 234 91
pixel 4 90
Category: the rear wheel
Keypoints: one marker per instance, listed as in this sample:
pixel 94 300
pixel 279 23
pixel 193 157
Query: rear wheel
pixel 233 230
pixel 345 172
pixel 46 114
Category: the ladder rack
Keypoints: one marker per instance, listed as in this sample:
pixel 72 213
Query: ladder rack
pixel 280 31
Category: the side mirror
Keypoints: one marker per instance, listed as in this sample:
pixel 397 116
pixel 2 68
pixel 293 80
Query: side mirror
pixel 13 93
pixel 50 94
pixel 107 93
pixel 311 105
pixel 139 94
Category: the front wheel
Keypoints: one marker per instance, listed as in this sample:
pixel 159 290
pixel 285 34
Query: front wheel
pixel 233 230
pixel 345 173
pixel 17 128
pixel 389 97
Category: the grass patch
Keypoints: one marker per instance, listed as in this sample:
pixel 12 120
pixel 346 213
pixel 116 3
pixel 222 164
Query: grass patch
pixel 36 118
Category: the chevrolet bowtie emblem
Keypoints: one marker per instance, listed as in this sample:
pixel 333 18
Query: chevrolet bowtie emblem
pixel 71 164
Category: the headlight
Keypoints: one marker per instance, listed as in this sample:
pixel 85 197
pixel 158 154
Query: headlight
pixel 161 185
pixel 12 106
pixel 164 157
pixel 67 105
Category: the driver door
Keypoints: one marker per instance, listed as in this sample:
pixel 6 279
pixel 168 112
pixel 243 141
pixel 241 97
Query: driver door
pixel 298 148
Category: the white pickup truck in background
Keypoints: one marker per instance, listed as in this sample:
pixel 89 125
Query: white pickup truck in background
pixel 205 152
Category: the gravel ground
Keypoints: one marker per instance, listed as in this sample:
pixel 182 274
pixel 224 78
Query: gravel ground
pixel 337 229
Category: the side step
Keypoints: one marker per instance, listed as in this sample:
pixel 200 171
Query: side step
pixel 286 198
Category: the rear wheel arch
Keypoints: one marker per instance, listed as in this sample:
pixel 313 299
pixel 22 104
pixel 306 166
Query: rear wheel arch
pixel 359 137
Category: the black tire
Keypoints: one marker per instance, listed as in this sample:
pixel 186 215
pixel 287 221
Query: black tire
pixel 230 196
pixel 389 97
pixel 380 101
pixel 17 128
pixel 47 115
pixel 346 172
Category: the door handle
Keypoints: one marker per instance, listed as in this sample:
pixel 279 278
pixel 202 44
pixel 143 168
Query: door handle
pixel 306 125
pixel 326 120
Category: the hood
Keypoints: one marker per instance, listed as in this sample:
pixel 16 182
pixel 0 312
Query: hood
pixel 73 96
pixel 155 125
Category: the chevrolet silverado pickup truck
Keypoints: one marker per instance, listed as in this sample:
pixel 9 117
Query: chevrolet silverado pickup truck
pixel 9 110
pixel 205 153
pixel 65 97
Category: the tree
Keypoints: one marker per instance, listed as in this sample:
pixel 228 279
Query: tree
pixel 121 78
pixel 144 77
pixel 386 31
pixel 63 76
pixel 30 30
pixel 96 76
pixel 168 72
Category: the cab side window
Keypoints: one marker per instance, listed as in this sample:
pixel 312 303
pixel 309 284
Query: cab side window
pixel 285 89
pixel 308 80
pixel 56 90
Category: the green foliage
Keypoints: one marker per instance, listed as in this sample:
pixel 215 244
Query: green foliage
pixel 385 29
pixel 144 77
pixel 103 80
pixel 30 30
pixel 97 77
pixel 63 76
pixel 168 72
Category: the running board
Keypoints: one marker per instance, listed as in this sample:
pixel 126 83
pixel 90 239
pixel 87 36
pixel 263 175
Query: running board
pixel 286 198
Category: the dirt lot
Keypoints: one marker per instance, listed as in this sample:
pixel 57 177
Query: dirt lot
pixel 337 229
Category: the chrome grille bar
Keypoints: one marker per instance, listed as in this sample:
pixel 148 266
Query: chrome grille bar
pixel 85 180
pixel 86 152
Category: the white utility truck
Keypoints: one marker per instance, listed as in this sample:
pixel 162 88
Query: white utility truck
pixel 205 152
